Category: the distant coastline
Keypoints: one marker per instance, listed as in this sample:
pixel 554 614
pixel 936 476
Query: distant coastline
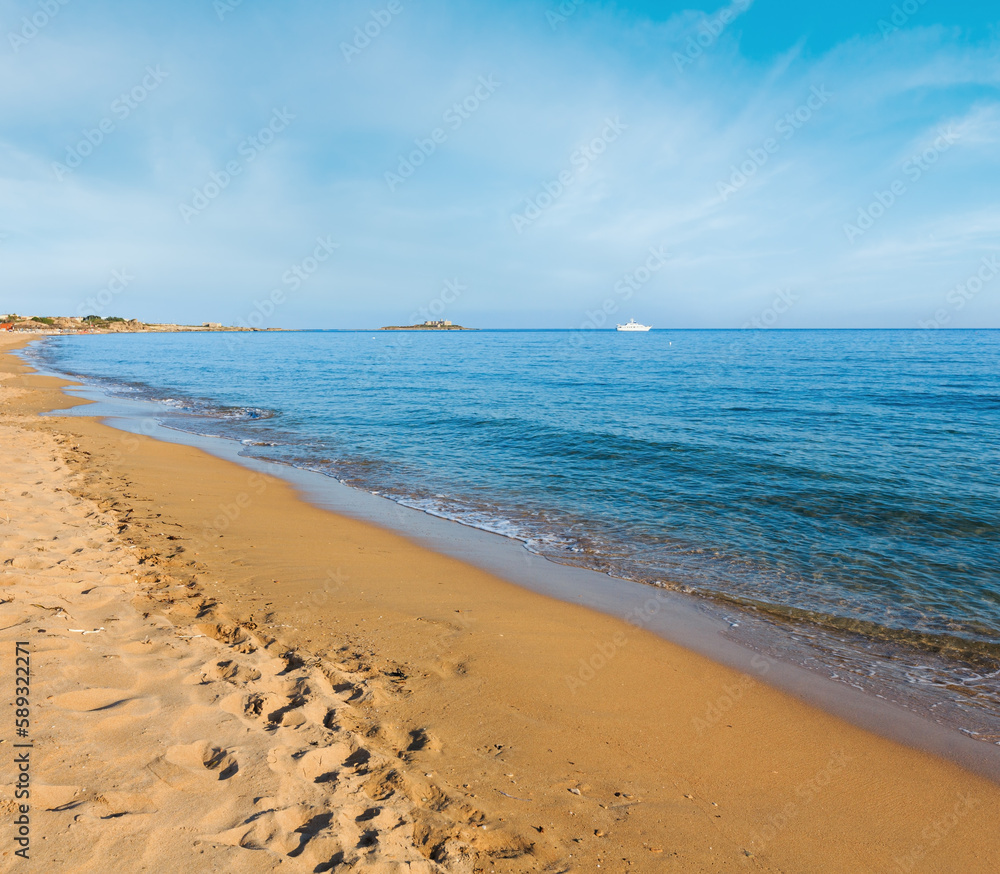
pixel 104 325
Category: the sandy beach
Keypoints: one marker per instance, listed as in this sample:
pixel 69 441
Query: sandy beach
pixel 226 678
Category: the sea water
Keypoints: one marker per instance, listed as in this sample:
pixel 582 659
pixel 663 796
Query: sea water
pixel 842 484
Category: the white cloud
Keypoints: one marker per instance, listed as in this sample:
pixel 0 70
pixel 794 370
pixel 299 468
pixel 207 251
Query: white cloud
pixel 657 183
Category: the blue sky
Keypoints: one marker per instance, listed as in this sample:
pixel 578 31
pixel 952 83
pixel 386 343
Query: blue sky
pixel 525 164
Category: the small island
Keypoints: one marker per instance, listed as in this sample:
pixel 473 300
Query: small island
pixel 437 325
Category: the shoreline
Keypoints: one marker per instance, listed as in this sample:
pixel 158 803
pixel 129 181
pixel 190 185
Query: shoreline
pixel 485 688
pixel 696 622
pixel 702 622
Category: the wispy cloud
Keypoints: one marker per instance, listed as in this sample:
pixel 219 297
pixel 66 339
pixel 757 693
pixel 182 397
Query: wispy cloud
pixel 658 182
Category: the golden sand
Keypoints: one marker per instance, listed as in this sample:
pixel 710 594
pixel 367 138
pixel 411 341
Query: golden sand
pixel 293 690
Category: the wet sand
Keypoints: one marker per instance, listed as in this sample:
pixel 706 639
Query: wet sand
pixel 276 686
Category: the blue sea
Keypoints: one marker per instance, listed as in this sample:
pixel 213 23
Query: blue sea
pixel 842 484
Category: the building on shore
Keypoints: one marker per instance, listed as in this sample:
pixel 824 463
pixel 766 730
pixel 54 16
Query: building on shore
pixel 429 325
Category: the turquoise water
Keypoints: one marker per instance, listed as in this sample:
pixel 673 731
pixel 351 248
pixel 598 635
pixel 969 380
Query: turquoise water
pixel 848 479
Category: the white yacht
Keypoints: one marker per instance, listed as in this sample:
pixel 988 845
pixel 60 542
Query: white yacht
pixel 633 325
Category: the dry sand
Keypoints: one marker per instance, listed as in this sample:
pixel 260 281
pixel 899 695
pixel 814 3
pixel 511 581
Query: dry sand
pixel 225 678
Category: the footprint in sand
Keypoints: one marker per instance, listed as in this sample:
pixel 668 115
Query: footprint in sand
pixel 407 742
pixel 322 765
pixel 202 758
pixel 299 831
pixel 273 710
pixel 232 671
